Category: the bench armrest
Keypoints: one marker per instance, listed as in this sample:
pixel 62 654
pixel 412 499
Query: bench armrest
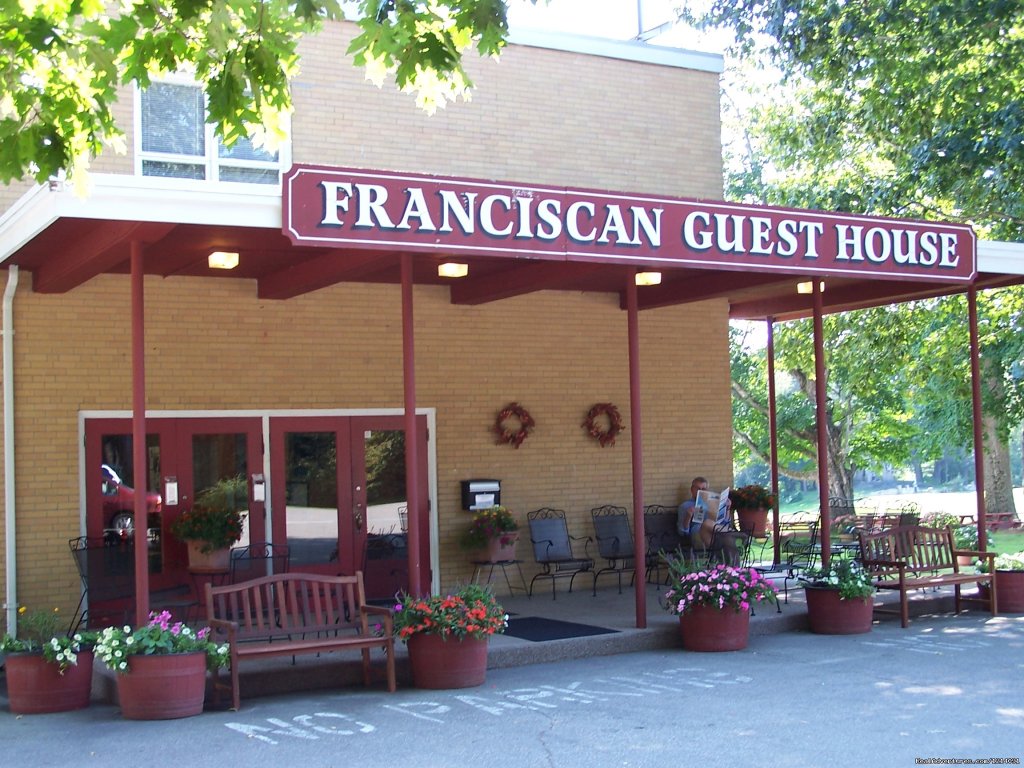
pixel 974 554
pixel 222 626
pixel 387 618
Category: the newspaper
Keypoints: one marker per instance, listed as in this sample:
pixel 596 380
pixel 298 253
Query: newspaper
pixel 709 500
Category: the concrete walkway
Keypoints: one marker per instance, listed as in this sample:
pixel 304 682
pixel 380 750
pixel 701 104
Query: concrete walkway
pixel 608 609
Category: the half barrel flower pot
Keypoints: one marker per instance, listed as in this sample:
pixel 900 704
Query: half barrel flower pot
pixel 36 686
pixel 829 614
pixel 162 686
pixel 452 662
pixel 704 628
pixel 1010 591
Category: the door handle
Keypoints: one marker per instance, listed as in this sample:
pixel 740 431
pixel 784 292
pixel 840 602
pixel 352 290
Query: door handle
pixel 358 517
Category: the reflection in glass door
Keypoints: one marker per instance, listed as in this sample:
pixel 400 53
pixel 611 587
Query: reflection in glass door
pixel 311 486
pixel 220 468
pixel 386 562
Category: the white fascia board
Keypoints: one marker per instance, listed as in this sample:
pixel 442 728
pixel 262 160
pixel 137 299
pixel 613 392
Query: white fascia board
pixel 1000 257
pixel 629 50
pixel 134 198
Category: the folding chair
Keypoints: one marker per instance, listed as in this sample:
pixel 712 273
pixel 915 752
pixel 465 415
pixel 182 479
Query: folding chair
pixel 552 548
pixel 614 542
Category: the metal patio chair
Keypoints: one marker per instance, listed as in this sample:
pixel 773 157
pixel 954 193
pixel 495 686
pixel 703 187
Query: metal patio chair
pixel 663 538
pixel 614 542
pixel 552 548
pixel 258 560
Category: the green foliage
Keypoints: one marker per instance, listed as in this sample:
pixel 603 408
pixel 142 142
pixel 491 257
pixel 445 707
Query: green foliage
pixel 1010 562
pixel 63 61
pixel 914 104
pixel 216 517
pixel 159 637
pixel 719 586
pixel 844 573
pixel 469 611
pixel 43 632
pixel 488 524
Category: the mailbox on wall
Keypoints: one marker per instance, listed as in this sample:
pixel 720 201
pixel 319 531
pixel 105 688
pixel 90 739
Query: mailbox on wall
pixel 480 494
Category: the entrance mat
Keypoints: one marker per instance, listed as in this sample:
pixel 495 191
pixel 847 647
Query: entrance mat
pixel 538 630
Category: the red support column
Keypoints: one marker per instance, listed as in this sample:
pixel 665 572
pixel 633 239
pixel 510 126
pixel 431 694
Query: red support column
pixel 979 444
pixel 821 411
pixel 412 464
pixel 139 458
pixel 773 437
pixel 639 538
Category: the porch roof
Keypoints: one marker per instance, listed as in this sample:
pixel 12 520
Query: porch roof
pixel 65 239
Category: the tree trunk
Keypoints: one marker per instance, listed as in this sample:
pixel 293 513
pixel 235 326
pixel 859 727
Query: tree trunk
pixel 998 480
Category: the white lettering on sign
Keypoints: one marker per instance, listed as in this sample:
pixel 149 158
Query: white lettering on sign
pixel 730 233
pixel 452 205
pixel 376 209
pixel 333 202
pixel 880 244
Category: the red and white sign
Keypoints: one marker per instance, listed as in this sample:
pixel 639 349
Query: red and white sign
pixel 362 209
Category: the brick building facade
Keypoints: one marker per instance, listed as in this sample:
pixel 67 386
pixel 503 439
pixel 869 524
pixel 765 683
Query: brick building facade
pixel 592 115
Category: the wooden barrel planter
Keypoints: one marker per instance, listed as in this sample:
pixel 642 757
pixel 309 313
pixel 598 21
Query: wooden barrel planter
pixel 36 686
pixel 452 662
pixel 162 686
pixel 1010 590
pixel 829 614
pixel 704 628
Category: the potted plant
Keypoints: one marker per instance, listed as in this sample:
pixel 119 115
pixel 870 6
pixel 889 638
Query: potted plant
pixel 493 533
pixel 48 670
pixel 713 604
pixel 161 667
pixel 214 523
pixel 1009 580
pixel 839 598
pixel 447 635
pixel 752 503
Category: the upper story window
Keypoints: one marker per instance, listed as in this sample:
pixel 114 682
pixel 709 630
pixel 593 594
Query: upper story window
pixel 173 139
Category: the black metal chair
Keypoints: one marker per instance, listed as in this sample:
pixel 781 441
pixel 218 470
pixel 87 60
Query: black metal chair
pixel 614 542
pixel 552 548
pixel 663 538
pixel 258 560
pixel 106 567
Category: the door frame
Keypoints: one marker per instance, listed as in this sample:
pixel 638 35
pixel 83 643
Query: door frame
pixel 265 415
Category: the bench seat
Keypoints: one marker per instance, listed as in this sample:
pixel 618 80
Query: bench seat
pixel 296 613
pixel 909 557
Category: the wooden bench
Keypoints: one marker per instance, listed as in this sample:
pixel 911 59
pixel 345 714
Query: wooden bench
pixel 914 557
pixel 294 613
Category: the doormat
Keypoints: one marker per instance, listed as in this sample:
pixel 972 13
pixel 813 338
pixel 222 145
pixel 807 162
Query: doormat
pixel 537 630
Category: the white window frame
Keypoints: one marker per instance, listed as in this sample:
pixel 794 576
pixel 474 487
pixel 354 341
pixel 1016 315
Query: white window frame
pixel 211 162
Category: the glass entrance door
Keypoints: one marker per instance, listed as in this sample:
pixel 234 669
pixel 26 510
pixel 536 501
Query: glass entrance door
pixel 183 457
pixel 339 497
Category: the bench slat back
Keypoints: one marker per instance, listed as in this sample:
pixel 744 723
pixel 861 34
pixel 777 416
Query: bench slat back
pixel 922 549
pixel 288 604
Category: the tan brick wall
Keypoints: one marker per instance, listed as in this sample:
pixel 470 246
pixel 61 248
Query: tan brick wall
pixel 213 345
pixel 537 116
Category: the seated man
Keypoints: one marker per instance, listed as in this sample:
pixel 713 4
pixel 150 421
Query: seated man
pixel 714 533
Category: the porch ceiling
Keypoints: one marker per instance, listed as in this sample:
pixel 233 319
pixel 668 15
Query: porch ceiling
pixel 64 243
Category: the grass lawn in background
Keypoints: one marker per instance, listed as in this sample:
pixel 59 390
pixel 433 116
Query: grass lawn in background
pixel 928 502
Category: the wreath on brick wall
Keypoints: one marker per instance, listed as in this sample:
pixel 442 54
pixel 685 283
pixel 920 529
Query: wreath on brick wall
pixel 513 425
pixel 597 417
